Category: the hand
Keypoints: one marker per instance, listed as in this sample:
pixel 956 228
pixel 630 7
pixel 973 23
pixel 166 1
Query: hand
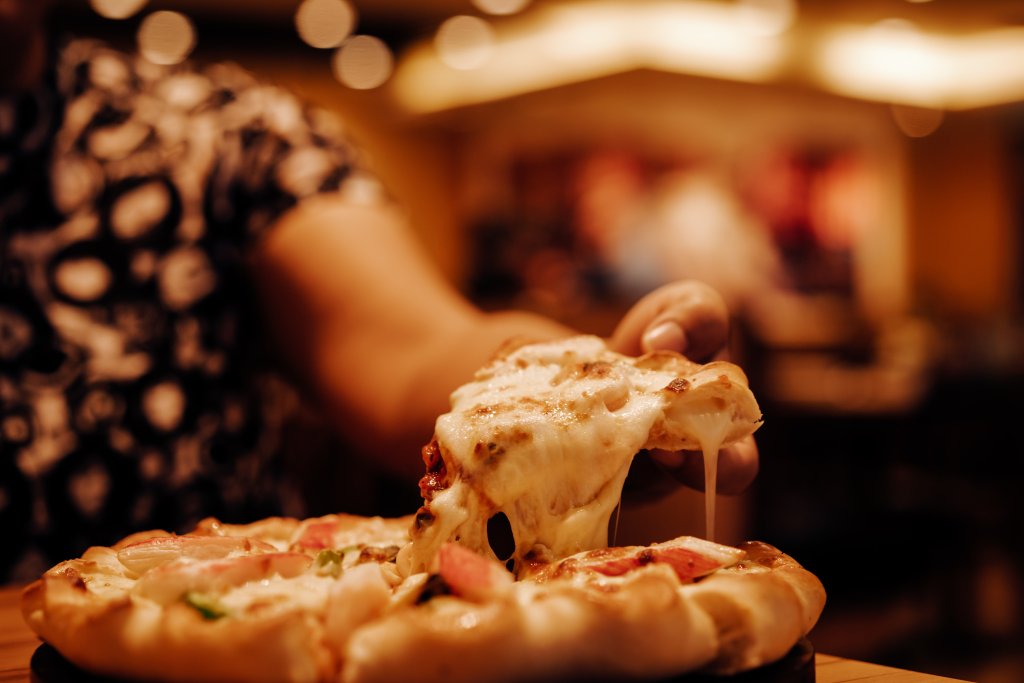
pixel 691 318
pixel 686 316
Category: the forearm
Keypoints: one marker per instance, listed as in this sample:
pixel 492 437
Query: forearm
pixel 370 329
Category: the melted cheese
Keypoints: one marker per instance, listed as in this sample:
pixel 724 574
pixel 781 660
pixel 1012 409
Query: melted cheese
pixel 547 434
pixel 306 591
pixel 710 428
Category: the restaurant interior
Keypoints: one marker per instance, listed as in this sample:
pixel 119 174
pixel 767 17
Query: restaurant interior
pixel 847 174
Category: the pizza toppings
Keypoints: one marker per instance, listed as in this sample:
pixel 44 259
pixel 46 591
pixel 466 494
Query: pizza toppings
pixel 169 582
pixel 690 558
pixel 344 531
pixel 144 555
pixel 469 575
pixel 208 606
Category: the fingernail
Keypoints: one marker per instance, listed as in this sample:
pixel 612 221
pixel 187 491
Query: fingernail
pixel 664 336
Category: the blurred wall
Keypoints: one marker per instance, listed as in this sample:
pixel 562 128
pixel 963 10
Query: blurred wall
pixel 964 232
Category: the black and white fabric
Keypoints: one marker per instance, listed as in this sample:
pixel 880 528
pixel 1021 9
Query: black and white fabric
pixel 133 388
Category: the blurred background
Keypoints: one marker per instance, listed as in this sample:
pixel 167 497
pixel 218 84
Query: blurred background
pixel 848 174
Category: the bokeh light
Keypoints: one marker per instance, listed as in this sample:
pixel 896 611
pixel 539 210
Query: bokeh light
pixel 325 23
pixel 166 37
pixel 500 6
pixel 464 42
pixel 117 9
pixel 363 62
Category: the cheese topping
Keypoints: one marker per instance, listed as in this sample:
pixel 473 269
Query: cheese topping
pixel 546 435
pixel 306 591
pixel 711 429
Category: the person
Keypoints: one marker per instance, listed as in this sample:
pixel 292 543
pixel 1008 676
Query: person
pixel 181 248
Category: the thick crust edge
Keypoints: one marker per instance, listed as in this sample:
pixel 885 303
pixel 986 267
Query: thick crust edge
pixel 142 640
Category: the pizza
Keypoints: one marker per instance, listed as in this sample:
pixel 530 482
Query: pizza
pixel 542 437
pixel 545 435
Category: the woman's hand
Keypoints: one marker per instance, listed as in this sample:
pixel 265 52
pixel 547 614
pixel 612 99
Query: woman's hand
pixel 686 316
pixel 693 319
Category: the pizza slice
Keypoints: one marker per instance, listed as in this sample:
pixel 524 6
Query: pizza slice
pixel 544 437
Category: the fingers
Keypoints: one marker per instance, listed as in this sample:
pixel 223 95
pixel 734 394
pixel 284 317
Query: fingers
pixel 737 466
pixel 687 316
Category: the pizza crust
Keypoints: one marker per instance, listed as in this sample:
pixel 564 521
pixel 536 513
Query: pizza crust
pixel 761 607
pixel 117 635
pixel 538 632
pixel 579 625
pixel 615 613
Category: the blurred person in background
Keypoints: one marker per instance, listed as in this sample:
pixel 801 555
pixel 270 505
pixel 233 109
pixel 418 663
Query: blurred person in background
pixel 184 253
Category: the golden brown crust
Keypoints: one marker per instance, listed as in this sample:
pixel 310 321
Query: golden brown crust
pixel 643 628
pixel 645 624
pixel 141 640
pixel 761 607
pixel 650 621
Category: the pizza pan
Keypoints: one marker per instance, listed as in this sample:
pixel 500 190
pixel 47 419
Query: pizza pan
pixel 48 666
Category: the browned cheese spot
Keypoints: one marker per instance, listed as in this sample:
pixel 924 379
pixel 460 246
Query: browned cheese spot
pixel 678 386
pixel 482 411
pixel 378 554
pixel 73 576
pixel 562 412
pixel 490 452
pixel 584 370
pixel 599 368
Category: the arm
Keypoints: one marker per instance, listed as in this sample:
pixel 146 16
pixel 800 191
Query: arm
pixel 369 328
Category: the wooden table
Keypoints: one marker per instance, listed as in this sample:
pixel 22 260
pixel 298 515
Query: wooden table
pixel 17 643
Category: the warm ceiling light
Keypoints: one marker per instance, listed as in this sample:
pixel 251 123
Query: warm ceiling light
pixel 117 9
pixel 896 62
pixel 166 37
pixel 324 23
pixel 746 40
pixel 567 43
pixel 363 62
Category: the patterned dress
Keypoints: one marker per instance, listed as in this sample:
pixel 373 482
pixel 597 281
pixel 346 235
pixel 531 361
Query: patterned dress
pixel 133 389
